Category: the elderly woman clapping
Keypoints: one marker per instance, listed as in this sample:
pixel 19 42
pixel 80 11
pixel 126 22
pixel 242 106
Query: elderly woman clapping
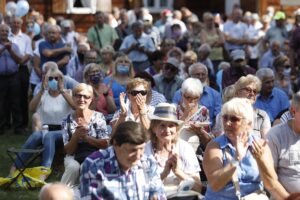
pixel 235 162
pixel 194 115
pixel 176 159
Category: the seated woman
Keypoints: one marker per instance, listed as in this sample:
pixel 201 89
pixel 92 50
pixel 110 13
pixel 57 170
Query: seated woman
pixel 195 116
pixel 52 104
pixel 122 73
pixel 103 97
pixel 229 158
pixel 248 87
pixel 84 131
pixel 176 158
pixel 137 107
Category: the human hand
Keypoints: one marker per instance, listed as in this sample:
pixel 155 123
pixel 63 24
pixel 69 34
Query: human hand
pixel 60 84
pixel 258 149
pixel 81 133
pixel 140 101
pixel 8 45
pixel 198 130
pixel 241 145
pixel 122 103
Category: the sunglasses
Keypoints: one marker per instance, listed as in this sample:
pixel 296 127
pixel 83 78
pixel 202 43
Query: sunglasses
pixel 249 90
pixel 136 92
pixel 51 78
pixel 231 118
pixel 79 96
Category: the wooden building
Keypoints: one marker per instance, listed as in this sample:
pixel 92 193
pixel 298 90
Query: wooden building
pixel 54 8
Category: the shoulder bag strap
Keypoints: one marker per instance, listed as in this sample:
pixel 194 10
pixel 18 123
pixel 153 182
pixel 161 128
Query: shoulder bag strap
pixel 98 36
pixel 234 178
pixel 69 126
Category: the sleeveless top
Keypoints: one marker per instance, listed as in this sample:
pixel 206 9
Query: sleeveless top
pixel 247 171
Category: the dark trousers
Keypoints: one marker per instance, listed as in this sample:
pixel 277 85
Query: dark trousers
pixel 10 98
pixel 24 81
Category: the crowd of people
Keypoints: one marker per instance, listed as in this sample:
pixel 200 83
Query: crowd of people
pixel 146 109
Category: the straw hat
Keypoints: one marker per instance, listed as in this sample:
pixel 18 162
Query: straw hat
pixel 165 112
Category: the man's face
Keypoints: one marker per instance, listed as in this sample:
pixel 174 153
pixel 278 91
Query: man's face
pixel 239 63
pixel 4 30
pixel 128 155
pixel 275 48
pixel 53 35
pixel 199 73
pixel 169 71
pixel 100 19
pixel 90 57
pixel 16 24
pixel 267 84
pixel 138 32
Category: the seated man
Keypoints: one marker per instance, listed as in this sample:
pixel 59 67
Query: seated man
pixel 121 171
pixel 284 142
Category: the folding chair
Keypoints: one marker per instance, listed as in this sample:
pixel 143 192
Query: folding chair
pixel 13 153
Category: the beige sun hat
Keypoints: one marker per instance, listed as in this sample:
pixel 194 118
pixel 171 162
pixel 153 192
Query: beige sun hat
pixel 165 112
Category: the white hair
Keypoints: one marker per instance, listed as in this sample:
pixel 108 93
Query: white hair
pixel 264 72
pixel 192 86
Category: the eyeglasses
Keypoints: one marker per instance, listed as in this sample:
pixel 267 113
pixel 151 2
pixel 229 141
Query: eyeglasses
pixel 51 78
pixel 231 118
pixel 136 92
pixel 249 90
pixel 189 98
pixel 79 96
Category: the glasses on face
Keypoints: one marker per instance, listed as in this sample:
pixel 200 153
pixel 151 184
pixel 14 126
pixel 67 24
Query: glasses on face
pixel 249 90
pixel 231 118
pixel 79 96
pixel 190 98
pixel 136 92
pixel 52 77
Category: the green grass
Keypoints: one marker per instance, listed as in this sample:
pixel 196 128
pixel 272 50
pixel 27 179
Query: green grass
pixel 11 140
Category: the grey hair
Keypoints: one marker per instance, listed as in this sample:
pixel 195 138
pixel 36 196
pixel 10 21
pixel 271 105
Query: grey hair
pixel 56 27
pixel 137 24
pixel 223 65
pixel 264 72
pixel 49 65
pixel 205 47
pixel 239 106
pixel 195 65
pixel 192 86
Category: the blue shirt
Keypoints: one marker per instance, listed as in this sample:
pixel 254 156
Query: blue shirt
pixel 144 40
pixel 247 172
pixel 235 30
pixel 267 60
pixel 274 104
pixel 210 98
pixel 102 178
pixel 7 64
pixel 117 88
pixel 47 45
pixel 167 88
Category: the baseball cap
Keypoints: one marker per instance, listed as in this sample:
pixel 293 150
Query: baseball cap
pixel 173 61
pixel 279 15
pixel 238 54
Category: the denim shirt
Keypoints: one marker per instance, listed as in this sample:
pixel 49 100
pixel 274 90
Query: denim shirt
pixel 247 172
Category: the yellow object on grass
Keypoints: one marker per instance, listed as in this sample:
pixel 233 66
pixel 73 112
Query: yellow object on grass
pixel 34 176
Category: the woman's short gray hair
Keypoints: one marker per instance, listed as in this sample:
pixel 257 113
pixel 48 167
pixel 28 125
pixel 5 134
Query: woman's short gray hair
pixel 192 86
pixel 244 81
pixel 240 107
pixel 264 72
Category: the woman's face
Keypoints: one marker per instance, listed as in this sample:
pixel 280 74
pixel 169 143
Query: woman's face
pixel 95 76
pixel 165 131
pixel 233 125
pixel 250 92
pixel 82 99
pixel 123 67
pixel 107 57
pixel 209 22
pixel 189 99
pixel 137 92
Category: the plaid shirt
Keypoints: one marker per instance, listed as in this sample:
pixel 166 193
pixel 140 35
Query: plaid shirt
pixel 101 178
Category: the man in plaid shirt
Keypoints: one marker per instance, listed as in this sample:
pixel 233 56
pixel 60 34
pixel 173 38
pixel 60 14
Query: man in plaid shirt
pixel 122 171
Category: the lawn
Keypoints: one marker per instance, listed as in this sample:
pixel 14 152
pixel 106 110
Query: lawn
pixel 11 140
